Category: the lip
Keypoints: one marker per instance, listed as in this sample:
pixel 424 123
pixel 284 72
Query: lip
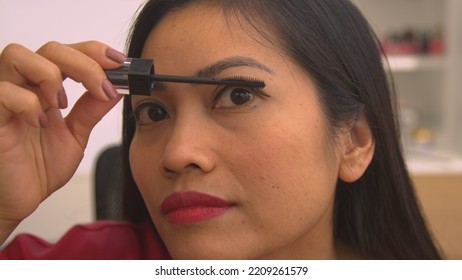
pixel 192 207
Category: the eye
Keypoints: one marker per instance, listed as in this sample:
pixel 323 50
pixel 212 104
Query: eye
pixel 232 97
pixel 150 112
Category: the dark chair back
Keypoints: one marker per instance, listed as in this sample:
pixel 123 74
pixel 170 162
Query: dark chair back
pixel 108 184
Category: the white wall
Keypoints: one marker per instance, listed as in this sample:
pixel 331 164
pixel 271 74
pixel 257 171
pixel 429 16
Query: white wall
pixel 453 10
pixel 32 23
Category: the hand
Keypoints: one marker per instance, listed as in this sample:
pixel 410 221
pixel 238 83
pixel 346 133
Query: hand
pixel 39 149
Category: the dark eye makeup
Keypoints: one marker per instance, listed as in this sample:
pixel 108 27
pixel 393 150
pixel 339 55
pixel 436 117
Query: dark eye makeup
pixel 150 112
pixel 236 97
pixel 231 96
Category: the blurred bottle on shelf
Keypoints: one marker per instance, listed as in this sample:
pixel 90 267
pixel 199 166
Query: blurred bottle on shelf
pixel 411 41
pixel 414 134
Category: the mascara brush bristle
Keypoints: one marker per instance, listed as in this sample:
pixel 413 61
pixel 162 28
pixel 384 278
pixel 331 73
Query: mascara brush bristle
pixel 244 81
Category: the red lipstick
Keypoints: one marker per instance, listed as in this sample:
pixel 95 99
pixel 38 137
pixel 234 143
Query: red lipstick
pixel 192 207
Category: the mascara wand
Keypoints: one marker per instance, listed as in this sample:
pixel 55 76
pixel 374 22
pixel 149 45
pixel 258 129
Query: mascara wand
pixel 136 77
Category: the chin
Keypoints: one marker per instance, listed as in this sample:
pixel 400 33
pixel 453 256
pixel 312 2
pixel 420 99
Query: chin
pixel 204 254
pixel 203 246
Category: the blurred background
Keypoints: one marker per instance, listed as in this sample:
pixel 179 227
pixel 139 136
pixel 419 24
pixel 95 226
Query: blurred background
pixel 422 41
pixel 422 45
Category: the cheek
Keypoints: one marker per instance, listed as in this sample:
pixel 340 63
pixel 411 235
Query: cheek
pixel 294 144
pixel 289 165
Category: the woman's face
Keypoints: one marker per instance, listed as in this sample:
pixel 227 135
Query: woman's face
pixel 232 172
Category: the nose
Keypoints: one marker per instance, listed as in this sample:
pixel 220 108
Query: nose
pixel 189 148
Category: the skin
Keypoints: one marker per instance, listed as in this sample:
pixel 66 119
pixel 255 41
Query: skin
pixel 272 157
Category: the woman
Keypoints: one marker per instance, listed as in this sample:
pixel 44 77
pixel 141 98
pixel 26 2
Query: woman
pixel 306 167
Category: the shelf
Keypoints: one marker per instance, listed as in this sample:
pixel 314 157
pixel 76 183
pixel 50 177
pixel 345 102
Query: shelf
pixel 433 162
pixel 411 63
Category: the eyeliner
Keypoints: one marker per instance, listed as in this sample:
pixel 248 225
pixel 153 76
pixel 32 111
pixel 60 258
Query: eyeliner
pixel 136 77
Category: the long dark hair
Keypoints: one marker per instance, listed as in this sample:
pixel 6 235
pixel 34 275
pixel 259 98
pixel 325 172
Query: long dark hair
pixel 378 215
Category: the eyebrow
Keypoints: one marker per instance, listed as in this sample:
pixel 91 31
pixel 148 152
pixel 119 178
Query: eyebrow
pixel 216 68
pixel 229 62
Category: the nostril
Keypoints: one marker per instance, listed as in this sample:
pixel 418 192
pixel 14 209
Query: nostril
pixel 168 170
pixel 193 166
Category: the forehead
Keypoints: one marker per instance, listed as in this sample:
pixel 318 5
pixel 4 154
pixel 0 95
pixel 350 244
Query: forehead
pixel 202 32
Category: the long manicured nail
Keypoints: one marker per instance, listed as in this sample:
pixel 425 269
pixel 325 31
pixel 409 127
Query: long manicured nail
pixel 43 120
pixel 109 89
pixel 62 98
pixel 115 56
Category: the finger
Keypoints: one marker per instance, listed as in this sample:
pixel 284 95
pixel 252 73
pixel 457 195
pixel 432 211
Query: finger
pixel 84 62
pixel 86 113
pixel 18 101
pixel 106 56
pixel 21 66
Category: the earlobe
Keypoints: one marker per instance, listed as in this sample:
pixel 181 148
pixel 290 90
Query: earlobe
pixel 358 151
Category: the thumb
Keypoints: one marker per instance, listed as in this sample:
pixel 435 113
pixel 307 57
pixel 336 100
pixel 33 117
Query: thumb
pixel 86 113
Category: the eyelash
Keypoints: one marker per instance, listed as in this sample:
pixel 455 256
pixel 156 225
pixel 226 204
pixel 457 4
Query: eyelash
pixel 219 93
pixel 232 89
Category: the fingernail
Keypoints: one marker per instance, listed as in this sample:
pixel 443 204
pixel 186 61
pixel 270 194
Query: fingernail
pixel 43 120
pixel 109 89
pixel 62 98
pixel 115 56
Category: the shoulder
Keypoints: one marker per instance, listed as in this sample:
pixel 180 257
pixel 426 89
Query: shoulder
pixel 99 240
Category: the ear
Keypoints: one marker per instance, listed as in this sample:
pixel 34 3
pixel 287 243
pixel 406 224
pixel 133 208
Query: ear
pixel 358 151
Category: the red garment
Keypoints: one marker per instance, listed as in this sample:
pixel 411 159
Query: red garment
pixel 106 240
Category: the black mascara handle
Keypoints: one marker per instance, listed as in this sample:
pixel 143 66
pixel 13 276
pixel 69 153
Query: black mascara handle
pixel 133 77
